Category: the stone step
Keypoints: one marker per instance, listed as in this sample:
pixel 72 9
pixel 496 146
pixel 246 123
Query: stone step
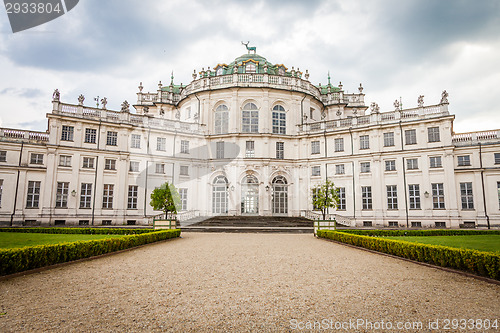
pixel 251 224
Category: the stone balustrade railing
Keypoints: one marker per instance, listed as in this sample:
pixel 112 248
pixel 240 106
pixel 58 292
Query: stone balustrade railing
pixel 376 119
pixel 251 80
pixel 24 135
pixel 342 220
pixel 472 138
pixel 85 112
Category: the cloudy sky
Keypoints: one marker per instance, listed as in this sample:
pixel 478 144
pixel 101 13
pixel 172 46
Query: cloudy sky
pixel 396 48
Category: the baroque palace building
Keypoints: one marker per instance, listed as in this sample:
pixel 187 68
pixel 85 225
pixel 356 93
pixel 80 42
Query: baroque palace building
pixel 250 138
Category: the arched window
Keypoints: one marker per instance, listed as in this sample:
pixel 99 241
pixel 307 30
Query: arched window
pixel 250 67
pixel 219 71
pixel 221 119
pixel 250 195
pixel 279 120
pixel 280 195
pixel 219 195
pixel 281 71
pixel 250 118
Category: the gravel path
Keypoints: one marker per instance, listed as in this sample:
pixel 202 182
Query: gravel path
pixel 241 282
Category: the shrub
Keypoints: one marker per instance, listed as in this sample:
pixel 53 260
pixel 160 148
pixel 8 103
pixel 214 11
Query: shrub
pixel 436 232
pixel 92 231
pixel 22 259
pixel 477 262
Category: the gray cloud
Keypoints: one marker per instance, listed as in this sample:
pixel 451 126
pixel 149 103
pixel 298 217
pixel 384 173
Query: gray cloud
pixel 107 47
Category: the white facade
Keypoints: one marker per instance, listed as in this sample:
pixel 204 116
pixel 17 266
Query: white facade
pixel 250 138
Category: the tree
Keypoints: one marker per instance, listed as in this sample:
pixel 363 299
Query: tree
pixel 165 198
pixel 325 196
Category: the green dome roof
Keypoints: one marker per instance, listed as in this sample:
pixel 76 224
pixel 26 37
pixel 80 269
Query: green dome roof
pixel 260 59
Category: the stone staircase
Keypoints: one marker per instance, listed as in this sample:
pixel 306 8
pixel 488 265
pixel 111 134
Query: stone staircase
pixel 249 224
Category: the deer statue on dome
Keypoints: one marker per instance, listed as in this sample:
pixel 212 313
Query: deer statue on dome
pixel 250 48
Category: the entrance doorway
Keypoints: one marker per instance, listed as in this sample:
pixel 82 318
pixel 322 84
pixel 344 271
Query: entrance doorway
pixel 280 196
pixel 250 196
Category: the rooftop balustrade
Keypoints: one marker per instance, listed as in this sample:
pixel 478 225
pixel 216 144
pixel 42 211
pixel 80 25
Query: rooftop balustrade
pixel 250 80
pixel 419 113
pixel 118 117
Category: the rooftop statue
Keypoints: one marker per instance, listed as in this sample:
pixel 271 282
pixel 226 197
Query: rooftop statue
pixel 250 48
pixel 125 107
pixel 56 95
pixel 420 101
pixel 444 97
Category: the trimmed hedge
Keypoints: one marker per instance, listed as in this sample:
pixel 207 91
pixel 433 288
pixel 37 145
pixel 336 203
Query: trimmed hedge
pixel 92 231
pixel 25 258
pixel 434 232
pixel 477 262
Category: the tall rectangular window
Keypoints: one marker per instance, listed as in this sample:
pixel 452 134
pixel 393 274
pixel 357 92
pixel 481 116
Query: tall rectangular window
pixel 183 195
pixel 133 190
pixel 315 149
pixel 219 149
pixel 316 170
pixel 161 144
pixel 392 197
pixel 279 120
pixel 250 149
pixel 414 196
pixel 1 190
pixel 339 169
pixel 498 190
pixel 433 134
pixel 366 195
pixel 365 167
pixel 33 197
pixel 463 160
pixel 390 165
pixel 412 164
pixel 135 141
pixel 389 139
pixel 62 195
pixel 160 168
pixel 107 196
pixel 342 202
pixel 90 135
pixel 134 166
pixel 280 150
pixel 112 138
pixel 466 196
pixel 438 196
pixel 184 170
pixel 435 162
pixel 314 195
pixel 67 133
pixel 411 137
pixel 339 144
pixel 184 147
pixel 109 164
pixel 497 158
pixel 86 195
pixel 36 158
pixel 88 162
pixel 65 160
pixel 364 142
pixel 3 156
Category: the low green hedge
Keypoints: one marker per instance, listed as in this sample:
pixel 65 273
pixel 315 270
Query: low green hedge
pixel 477 262
pixel 22 259
pixel 433 232
pixel 93 231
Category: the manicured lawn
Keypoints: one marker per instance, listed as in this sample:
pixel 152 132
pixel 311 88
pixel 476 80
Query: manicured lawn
pixel 18 239
pixel 489 243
